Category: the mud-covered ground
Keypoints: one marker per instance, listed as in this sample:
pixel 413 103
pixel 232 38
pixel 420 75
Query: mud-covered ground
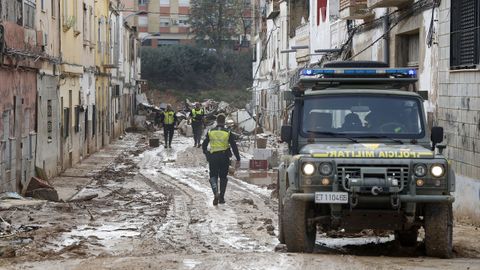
pixel 153 210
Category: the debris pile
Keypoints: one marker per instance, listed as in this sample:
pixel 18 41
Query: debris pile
pixel 239 121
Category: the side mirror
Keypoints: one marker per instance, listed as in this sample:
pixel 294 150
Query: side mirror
pixel 436 136
pixel 286 134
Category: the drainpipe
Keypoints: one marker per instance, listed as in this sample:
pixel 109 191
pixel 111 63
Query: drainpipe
pixel 386 37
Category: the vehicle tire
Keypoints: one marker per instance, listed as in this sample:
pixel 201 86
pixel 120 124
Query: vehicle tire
pixel 281 234
pixel 407 238
pixel 298 236
pixel 438 230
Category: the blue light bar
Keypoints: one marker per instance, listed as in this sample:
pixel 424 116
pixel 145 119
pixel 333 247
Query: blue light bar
pixel 404 71
pixel 359 71
pixel 312 72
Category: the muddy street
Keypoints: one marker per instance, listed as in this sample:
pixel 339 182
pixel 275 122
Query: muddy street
pixel 151 208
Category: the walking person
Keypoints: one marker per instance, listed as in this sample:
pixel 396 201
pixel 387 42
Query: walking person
pixel 169 120
pixel 197 115
pixel 221 141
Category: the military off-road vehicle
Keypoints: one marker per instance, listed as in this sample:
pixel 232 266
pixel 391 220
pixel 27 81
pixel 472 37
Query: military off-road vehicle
pixel 361 157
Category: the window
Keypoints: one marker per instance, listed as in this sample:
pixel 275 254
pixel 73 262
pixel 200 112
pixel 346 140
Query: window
pixel 362 116
pixel 164 22
pixel 66 122
pixel 143 2
pixel 142 21
pixel 94 120
pixel 164 2
pixel 65 12
pixel 29 14
pixel 75 16
pixel 91 24
pixel 99 36
pixel 184 3
pixel 464 34
pixel 408 48
pixel 85 22
pixel 77 119
pixel 53 6
pixel 42 5
pixel 183 20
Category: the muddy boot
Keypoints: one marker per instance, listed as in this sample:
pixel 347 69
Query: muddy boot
pixel 223 187
pixel 213 184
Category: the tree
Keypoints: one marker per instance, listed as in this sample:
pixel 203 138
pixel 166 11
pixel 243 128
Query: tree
pixel 215 22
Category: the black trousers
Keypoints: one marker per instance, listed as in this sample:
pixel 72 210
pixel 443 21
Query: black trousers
pixel 218 165
pixel 197 128
pixel 168 134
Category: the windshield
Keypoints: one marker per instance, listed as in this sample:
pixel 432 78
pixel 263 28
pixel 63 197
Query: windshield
pixel 362 116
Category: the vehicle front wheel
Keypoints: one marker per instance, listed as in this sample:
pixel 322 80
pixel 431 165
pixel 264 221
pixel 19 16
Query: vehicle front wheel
pixel 299 237
pixel 438 230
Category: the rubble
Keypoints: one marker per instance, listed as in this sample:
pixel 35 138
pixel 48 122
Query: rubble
pixel 154 142
pixel 40 189
pixel 48 194
pixel 84 198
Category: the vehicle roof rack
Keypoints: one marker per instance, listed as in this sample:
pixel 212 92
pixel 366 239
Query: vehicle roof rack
pixel 334 76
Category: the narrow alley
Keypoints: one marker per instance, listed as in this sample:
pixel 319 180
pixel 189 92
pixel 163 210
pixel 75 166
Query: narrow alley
pixel 151 208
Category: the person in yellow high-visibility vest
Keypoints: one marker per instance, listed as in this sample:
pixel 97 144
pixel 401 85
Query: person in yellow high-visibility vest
pixel 220 140
pixel 197 115
pixel 169 120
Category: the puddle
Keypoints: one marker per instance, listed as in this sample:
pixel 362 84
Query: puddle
pixel 191 263
pixel 105 234
pixel 258 178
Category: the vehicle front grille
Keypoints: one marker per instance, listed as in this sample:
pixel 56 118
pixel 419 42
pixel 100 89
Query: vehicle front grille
pixel 400 172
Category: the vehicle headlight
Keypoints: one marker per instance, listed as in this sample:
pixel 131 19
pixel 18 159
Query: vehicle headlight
pixel 420 170
pixel 437 170
pixel 308 168
pixel 325 168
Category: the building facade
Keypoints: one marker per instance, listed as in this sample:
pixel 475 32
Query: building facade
pixel 19 50
pixel 168 19
pixel 69 73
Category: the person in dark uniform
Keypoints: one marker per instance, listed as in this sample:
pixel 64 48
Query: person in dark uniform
pixel 197 115
pixel 169 120
pixel 218 157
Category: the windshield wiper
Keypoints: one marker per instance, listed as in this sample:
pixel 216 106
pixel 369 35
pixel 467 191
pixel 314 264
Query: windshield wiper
pixel 382 137
pixel 332 134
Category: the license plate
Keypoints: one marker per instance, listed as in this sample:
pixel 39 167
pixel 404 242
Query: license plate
pixel 331 197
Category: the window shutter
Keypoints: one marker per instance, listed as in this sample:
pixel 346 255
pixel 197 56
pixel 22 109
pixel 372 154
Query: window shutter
pixel 464 35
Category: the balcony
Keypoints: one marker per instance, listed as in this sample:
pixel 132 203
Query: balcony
pixel 387 3
pixel 354 10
